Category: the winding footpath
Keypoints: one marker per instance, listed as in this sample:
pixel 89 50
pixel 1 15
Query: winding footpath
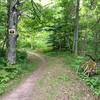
pixel 51 81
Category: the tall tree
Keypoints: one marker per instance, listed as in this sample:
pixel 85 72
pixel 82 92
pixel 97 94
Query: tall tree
pixel 75 42
pixel 12 28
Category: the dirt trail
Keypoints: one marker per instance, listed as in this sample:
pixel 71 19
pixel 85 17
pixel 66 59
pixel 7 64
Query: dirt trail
pixel 24 91
pixel 51 81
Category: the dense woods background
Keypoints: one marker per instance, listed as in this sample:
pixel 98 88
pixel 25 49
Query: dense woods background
pixel 48 25
pixel 67 25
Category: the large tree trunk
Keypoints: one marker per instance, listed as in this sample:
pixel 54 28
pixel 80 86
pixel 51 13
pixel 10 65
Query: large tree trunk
pixel 12 28
pixel 75 43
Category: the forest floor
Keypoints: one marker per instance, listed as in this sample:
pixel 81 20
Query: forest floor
pixel 51 81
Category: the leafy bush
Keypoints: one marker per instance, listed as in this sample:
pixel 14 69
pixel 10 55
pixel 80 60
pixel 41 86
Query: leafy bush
pixel 93 82
pixel 21 56
pixel 11 72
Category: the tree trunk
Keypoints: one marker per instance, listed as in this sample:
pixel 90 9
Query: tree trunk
pixel 67 41
pixel 12 28
pixel 75 43
pixel 31 41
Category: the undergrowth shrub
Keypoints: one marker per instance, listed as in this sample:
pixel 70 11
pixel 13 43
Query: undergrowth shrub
pixel 21 56
pixel 9 73
pixel 93 82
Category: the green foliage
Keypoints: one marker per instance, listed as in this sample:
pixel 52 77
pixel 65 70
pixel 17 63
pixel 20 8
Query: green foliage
pixel 12 72
pixel 40 40
pixel 58 18
pixel 93 82
pixel 58 41
pixel 3 20
pixel 21 56
pixel 74 63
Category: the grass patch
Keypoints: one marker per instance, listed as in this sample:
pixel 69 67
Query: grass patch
pixel 11 75
pixel 51 84
pixel 74 63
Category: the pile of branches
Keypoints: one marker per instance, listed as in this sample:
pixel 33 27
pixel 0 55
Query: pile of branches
pixel 90 66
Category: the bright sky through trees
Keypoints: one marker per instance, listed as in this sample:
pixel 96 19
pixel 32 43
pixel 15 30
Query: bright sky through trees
pixel 45 2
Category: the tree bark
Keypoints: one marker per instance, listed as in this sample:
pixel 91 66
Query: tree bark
pixel 67 41
pixel 31 41
pixel 12 28
pixel 75 43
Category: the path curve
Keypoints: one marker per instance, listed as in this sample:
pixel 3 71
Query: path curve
pixel 24 91
pixel 51 81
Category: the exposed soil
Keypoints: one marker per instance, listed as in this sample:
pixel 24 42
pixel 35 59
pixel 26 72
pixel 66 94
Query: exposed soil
pixel 53 80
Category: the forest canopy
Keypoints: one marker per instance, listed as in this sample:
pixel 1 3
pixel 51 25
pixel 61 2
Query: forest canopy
pixel 71 24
